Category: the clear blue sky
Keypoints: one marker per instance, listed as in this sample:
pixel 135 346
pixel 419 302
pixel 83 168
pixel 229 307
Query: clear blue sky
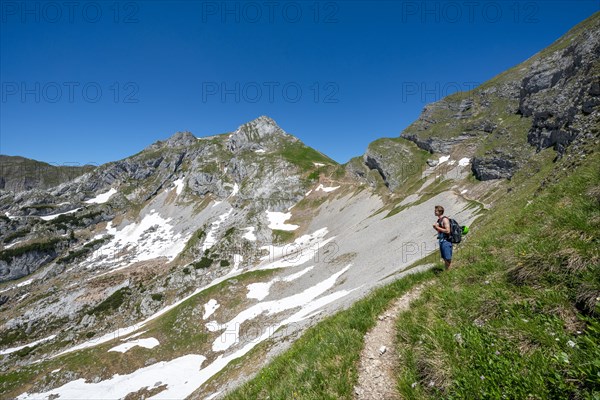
pixel 92 82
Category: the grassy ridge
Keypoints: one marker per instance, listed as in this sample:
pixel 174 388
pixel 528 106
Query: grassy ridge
pixel 519 317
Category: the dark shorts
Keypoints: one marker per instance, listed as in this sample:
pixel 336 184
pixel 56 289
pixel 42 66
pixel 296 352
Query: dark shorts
pixel 446 250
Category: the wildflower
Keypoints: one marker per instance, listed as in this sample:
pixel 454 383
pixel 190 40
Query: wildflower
pixel 571 343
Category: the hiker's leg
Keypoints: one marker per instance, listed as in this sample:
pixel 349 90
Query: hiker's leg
pixel 446 250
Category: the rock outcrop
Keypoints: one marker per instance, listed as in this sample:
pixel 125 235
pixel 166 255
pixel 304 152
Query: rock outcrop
pixel 547 101
pixel 395 160
pixel 559 87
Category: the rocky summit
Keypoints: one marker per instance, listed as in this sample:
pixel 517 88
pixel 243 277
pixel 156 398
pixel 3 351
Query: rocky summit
pixel 157 274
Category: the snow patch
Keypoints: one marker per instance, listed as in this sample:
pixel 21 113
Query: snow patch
pixel 231 335
pixel 277 221
pixel 235 190
pixel 326 189
pixel 179 186
pixel 102 197
pixel 172 373
pixel 212 396
pixel 210 308
pixel 296 253
pixel 259 151
pixel 153 236
pixel 443 159
pixel 13 349
pixel 260 290
pixel 249 235
pixel 210 236
pixel 463 162
pixel 148 239
pixel 148 343
pixel 51 217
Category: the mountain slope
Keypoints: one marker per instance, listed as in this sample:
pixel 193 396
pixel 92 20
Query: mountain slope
pixel 181 270
pixel 19 173
pixel 518 317
pixel 547 101
pixel 207 246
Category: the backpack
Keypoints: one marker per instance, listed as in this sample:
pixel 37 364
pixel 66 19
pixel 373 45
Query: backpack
pixel 456 231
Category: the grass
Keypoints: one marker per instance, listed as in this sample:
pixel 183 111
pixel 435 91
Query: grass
pixel 322 363
pixel 519 317
pixel 280 236
pixel 303 156
pixel 157 296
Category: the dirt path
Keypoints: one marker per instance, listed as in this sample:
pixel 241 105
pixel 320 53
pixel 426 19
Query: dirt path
pixel 376 378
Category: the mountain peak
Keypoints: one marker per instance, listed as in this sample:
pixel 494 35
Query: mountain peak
pixel 262 126
pixel 181 139
pixel 252 135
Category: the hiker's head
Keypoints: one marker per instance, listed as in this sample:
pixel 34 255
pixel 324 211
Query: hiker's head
pixel 439 210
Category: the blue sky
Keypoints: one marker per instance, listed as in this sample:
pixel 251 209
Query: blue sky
pixel 96 81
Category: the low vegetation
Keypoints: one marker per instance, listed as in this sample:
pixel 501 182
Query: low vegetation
pixel 112 302
pixel 47 246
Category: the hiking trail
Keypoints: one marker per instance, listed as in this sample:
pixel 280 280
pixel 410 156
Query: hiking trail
pixel 378 359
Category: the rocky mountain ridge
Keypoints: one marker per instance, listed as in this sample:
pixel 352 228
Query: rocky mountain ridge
pixel 547 101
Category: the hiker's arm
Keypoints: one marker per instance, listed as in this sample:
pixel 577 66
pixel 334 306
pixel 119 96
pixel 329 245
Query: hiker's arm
pixel 445 226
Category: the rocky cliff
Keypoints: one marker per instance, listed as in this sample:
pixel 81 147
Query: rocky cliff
pixel 547 101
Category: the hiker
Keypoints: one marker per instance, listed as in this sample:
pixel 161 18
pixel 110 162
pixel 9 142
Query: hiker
pixel 442 226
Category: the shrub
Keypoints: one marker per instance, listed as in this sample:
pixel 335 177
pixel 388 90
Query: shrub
pixel 113 301
pixel 157 296
pixel 204 262
pixel 16 235
pixel 48 246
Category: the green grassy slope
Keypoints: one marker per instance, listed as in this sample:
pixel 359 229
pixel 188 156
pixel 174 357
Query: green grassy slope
pixel 517 317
